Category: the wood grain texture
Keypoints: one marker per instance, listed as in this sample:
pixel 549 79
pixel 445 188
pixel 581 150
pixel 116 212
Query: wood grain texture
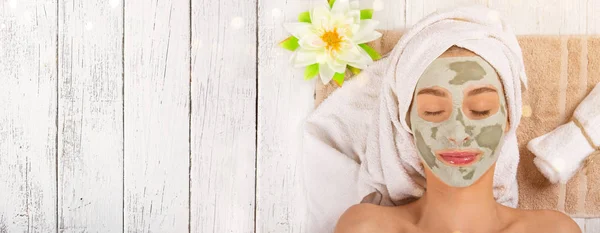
pixel 389 13
pixel 592 225
pixel 543 17
pixel 157 85
pixel 581 223
pixel 526 17
pixel 223 115
pixel 284 101
pixel 593 17
pixel 418 9
pixel 28 117
pixel 90 117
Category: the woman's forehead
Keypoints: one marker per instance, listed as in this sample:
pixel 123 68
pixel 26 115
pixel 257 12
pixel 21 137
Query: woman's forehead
pixel 459 72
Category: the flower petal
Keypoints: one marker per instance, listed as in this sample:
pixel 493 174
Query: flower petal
pixel 350 53
pixel 363 61
pixel 340 7
pixel 303 57
pixel 337 65
pixel 325 72
pixel 367 32
pixel 365 38
pixel 298 30
pixel 320 15
pixel 368 24
pixel 356 57
pixel 346 45
pixel 312 42
pixel 355 15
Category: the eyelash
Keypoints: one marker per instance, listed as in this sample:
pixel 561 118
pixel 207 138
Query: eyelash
pixel 433 113
pixel 477 113
pixel 483 113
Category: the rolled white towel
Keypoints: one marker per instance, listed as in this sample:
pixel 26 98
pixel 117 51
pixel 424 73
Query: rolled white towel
pixel 561 153
pixel 588 114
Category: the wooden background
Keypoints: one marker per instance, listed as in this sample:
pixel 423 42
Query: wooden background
pixel 175 115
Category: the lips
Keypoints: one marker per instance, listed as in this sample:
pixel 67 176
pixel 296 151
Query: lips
pixel 459 157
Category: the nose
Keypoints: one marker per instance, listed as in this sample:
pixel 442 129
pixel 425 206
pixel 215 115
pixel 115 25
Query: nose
pixel 458 142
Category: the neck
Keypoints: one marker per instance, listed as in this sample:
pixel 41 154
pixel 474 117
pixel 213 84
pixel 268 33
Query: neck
pixel 466 210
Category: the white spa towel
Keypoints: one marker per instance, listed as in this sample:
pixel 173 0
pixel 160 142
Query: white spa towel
pixel 588 113
pixel 357 141
pixel 561 152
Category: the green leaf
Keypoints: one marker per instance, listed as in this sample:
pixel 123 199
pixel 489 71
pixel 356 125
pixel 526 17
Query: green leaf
pixel 291 43
pixel 354 70
pixel 371 51
pixel 304 17
pixel 339 79
pixel 366 14
pixel 331 2
pixel 311 71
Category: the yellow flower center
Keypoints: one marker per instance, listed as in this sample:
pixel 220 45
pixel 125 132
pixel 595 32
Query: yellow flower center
pixel 332 39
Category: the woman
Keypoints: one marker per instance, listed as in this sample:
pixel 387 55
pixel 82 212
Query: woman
pixel 458 117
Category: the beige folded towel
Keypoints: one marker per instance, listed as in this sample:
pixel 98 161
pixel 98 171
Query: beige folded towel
pixel 561 71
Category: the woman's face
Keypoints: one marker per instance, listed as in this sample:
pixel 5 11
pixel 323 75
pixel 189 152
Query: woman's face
pixel 459 118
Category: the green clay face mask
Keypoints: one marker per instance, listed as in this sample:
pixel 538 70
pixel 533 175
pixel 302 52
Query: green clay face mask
pixel 464 139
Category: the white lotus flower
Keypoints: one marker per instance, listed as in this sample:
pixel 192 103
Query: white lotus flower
pixel 332 39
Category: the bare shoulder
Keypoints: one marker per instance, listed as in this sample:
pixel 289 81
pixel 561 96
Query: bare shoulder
pixel 370 218
pixel 547 221
pixel 562 222
pixel 358 218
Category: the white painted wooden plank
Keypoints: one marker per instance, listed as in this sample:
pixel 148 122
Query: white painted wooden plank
pixel 285 99
pixel 593 14
pixel 157 82
pixel 418 9
pixel 389 13
pixel 592 225
pixel 581 223
pixel 28 117
pixel 223 115
pixel 90 119
pixel 526 17
pixel 543 17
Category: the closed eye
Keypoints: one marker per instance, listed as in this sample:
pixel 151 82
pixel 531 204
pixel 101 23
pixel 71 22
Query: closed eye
pixel 481 113
pixel 433 113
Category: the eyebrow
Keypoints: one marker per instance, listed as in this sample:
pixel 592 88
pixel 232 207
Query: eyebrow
pixel 480 90
pixel 432 92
